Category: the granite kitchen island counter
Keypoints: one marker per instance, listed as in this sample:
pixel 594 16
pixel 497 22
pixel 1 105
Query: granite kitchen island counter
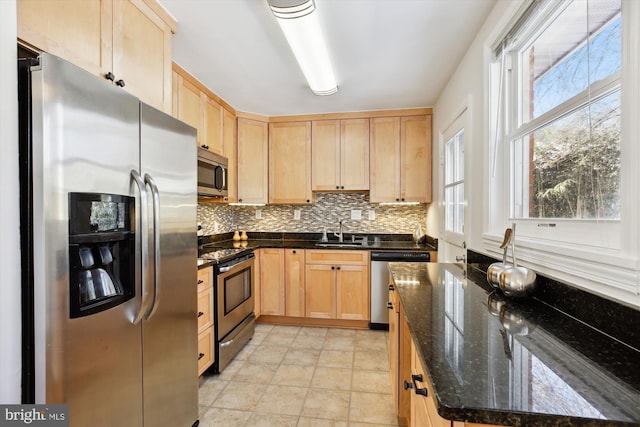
pixel 526 365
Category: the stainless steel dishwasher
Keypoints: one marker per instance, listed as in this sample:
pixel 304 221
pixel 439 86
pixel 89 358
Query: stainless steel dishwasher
pixel 380 283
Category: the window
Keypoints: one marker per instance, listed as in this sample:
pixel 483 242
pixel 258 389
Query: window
pixel 564 121
pixel 454 183
pixel 565 141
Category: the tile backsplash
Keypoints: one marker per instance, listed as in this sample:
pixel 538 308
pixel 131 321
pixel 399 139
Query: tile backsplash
pixel 328 209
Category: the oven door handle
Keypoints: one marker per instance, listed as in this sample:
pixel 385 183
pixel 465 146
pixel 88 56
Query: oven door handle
pixel 228 268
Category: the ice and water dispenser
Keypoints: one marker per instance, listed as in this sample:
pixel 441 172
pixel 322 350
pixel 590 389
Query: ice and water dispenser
pixel 101 252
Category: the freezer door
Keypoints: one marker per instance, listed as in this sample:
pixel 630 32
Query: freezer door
pixel 170 347
pixel 85 140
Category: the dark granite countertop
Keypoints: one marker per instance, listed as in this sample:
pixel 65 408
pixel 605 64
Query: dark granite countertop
pixel 380 242
pixel 527 365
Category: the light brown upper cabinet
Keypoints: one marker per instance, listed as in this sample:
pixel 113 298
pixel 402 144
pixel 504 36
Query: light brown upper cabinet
pixel 401 159
pixel 128 40
pixel 340 155
pixel 290 162
pixel 253 161
pixel 194 105
pixel 230 131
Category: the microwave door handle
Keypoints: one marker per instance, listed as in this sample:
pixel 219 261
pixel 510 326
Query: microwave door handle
pixel 224 178
pixel 156 243
pixel 144 246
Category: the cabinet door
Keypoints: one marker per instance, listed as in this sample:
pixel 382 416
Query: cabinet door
pixel 205 309
pixel 290 162
pixel 231 152
pixel 352 288
pixel 188 108
pixel 79 31
pixel 294 282
pixel 320 291
pixel 415 138
pixel 394 337
pixel 354 154
pixel 142 52
pixel 325 155
pixel 212 120
pixel 272 290
pixel 253 161
pixel 257 284
pixel 385 160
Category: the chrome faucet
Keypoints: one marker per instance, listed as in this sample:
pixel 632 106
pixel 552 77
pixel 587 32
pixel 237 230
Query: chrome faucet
pixel 339 235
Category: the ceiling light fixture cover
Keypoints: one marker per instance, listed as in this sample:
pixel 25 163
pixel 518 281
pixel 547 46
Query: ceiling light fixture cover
pixel 302 30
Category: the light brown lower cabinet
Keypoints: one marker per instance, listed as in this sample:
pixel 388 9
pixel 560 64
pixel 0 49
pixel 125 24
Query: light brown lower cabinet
pixel 206 355
pixel 399 357
pixel 337 284
pixel 272 289
pixel 294 278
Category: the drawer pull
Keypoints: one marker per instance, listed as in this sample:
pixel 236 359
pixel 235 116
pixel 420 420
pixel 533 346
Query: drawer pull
pixel 416 389
pixel 200 282
pixel 390 305
pixel 200 314
pixel 200 356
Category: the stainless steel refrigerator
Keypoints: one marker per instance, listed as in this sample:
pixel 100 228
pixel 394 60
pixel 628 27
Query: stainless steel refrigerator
pixel 108 223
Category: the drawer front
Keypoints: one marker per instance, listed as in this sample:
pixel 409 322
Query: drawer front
pixel 205 350
pixel 336 257
pixel 205 278
pixel 205 309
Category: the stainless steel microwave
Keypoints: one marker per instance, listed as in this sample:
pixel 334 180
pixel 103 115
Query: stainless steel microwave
pixel 212 174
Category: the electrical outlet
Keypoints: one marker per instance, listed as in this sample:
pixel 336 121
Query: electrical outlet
pixel 296 214
pixel 258 214
pixel 372 215
pixel 356 214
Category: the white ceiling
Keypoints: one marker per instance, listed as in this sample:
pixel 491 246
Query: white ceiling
pixel 386 54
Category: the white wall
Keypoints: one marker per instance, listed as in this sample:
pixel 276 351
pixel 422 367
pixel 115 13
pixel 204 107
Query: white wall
pixel 468 88
pixel 9 221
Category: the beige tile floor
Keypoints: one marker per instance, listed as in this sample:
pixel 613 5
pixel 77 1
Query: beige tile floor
pixel 289 376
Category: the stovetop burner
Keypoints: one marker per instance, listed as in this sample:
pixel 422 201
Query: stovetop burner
pixel 217 255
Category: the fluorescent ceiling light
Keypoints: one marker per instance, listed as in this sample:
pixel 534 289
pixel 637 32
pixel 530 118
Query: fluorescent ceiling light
pixel 302 30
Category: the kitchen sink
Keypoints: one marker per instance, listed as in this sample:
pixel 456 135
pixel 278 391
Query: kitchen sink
pixel 339 244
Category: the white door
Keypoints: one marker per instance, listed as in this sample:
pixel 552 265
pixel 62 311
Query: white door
pixel 452 244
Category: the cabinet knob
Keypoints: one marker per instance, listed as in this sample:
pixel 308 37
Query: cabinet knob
pixel 332 267
pixel 109 76
pixel 390 287
pixel 397 200
pixel 342 187
pixel 200 356
pixel 200 282
pixel 200 314
pixel 308 201
pixel 337 187
pixel 402 199
pixel 337 268
pixel 206 147
pixel 293 251
pixel 390 305
pixel 120 83
pixel 407 385
pixel 240 200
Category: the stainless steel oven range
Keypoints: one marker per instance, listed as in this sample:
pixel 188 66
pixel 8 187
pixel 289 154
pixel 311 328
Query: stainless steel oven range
pixel 233 300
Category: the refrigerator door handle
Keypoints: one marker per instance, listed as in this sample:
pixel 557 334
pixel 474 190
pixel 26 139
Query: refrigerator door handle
pixel 144 246
pixel 156 243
